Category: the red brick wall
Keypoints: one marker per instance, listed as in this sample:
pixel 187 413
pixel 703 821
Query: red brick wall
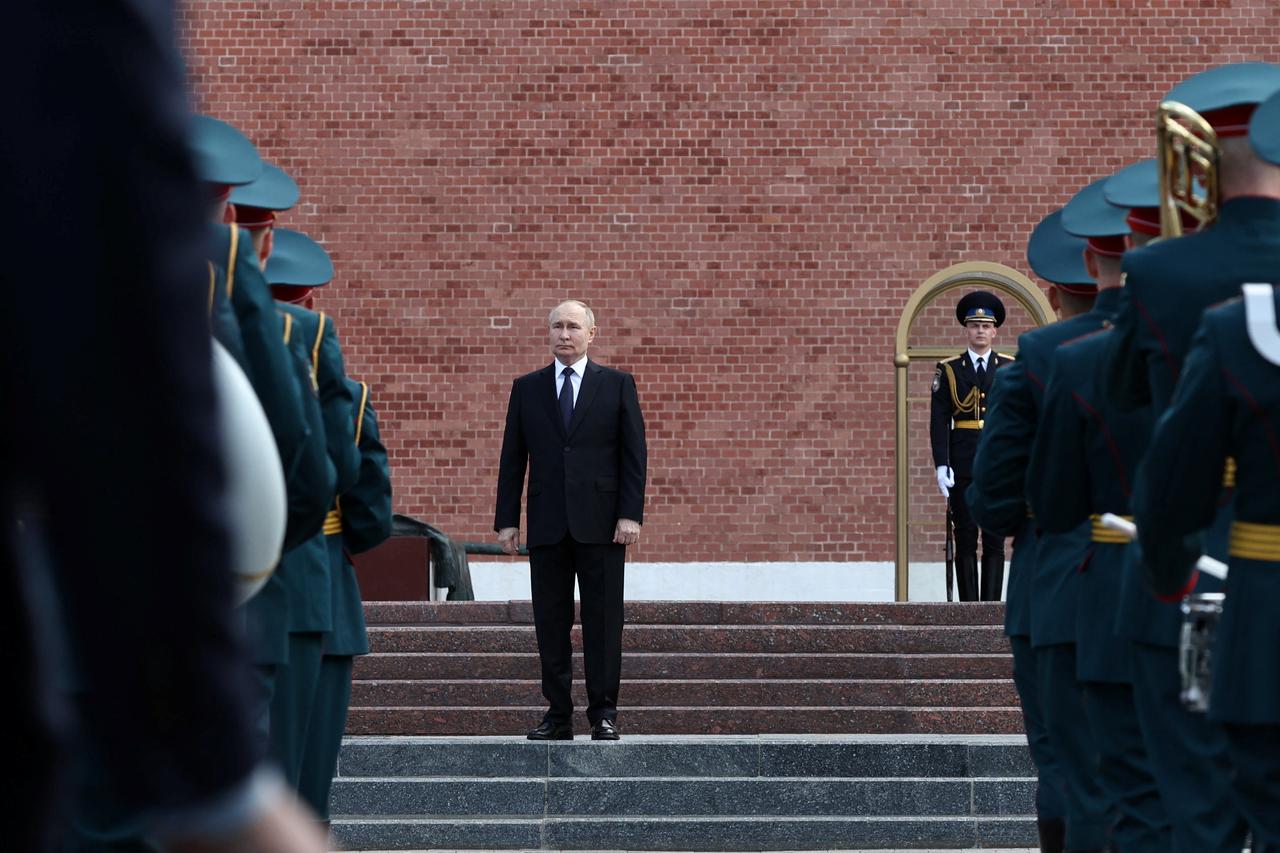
pixel 746 192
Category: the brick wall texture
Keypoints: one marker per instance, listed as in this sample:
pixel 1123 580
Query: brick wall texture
pixel 746 192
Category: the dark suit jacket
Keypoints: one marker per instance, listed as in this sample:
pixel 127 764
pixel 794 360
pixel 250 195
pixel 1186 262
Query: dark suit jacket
pixel 580 481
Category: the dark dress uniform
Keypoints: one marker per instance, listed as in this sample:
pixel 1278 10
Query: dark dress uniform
pixel 1082 466
pixel 1168 286
pixel 271 372
pixel 302 696
pixel 297 687
pixel 1053 589
pixel 1227 404
pixel 997 501
pixel 364 513
pixel 957 411
pixel 1188 753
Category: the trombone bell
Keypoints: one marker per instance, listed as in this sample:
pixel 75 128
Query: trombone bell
pixel 1187 158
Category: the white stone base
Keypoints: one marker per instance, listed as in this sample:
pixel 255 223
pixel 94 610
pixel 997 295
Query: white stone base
pixel 863 581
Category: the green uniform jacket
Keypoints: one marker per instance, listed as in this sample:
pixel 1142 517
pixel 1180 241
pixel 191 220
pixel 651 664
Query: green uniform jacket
pixel 1042 589
pixel 304 569
pixel 268 366
pixel 1227 403
pixel 1169 284
pixel 1083 464
pixel 365 509
pixel 317 330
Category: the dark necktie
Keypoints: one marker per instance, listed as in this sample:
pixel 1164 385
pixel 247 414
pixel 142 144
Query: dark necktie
pixel 566 397
pixel 982 371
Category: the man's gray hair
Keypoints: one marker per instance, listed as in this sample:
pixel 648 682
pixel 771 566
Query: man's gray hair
pixel 591 315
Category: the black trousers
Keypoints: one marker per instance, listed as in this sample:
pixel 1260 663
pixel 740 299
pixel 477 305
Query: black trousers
pixel 967 528
pixel 599 571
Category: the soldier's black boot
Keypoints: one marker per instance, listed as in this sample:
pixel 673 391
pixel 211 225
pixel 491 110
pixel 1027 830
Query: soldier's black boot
pixel 992 575
pixel 967 577
pixel 1053 834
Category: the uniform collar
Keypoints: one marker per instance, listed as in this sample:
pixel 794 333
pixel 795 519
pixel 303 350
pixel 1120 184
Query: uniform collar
pixel 1107 301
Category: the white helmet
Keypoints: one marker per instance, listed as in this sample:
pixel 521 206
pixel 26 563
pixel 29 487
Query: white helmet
pixel 255 499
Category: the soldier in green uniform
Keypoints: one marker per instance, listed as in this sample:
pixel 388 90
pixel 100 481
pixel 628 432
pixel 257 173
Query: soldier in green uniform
pixel 256 205
pixel 1168 285
pixel 957 411
pixel 1082 466
pixel 1187 751
pixel 237 290
pixel 997 500
pixel 1227 404
pixel 365 513
pixel 296 603
pixel 296 265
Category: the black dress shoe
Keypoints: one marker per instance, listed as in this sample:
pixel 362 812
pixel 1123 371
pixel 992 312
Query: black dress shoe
pixel 605 730
pixel 551 730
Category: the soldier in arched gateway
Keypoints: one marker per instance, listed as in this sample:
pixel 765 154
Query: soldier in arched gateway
pixel 958 408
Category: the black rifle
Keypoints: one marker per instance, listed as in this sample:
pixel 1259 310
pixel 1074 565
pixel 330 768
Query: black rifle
pixel 950 552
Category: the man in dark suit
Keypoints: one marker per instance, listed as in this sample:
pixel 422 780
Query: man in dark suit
pixel 577 426
pixel 957 412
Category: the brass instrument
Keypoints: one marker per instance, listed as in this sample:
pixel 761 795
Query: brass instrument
pixel 1187 159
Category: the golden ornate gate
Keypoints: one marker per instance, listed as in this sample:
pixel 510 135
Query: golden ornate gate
pixel 973 274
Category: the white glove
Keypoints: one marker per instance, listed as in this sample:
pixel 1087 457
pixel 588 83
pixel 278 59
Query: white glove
pixel 945 480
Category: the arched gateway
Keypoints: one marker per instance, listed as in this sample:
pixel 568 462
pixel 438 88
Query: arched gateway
pixel 971 274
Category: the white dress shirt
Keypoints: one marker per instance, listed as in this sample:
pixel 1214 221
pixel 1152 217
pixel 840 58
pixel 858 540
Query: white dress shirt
pixel 986 359
pixel 579 368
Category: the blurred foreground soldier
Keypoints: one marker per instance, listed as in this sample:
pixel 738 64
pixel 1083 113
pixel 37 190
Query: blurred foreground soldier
pixel 1227 403
pixel 1188 752
pixel 1082 465
pixel 295 266
pixel 956 414
pixel 160 663
pixel 576 427
pixel 997 500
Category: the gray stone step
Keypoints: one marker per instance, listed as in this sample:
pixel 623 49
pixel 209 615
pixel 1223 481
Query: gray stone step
pixel 687 834
pixel 849 756
pixel 640 796
pixel 685 793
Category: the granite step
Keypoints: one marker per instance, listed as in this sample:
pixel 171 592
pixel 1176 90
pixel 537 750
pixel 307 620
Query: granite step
pixel 706 692
pixel 698 613
pixel 687 833
pixel 698 667
pixel 684 793
pixel 637 797
pixel 793 639
pixel 868 756
pixel 677 665
pixel 711 720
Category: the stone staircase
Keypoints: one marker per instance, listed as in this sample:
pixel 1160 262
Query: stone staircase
pixel 460 668
pixel 664 792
